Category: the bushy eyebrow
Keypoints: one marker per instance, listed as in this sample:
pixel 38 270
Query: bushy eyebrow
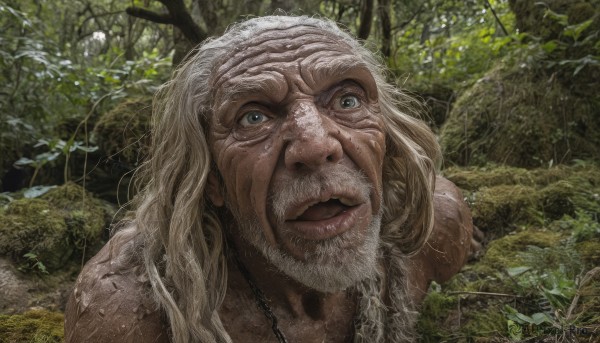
pixel 268 85
pixel 329 72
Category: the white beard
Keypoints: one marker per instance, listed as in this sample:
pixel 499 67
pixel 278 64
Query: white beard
pixel 333 264
pixel 332 267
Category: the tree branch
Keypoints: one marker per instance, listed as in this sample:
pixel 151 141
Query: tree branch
pixel 184 21
pixel 488 5
pixel 178 16
pixel 149 15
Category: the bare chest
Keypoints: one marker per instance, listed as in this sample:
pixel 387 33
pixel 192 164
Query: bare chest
pixel 245 322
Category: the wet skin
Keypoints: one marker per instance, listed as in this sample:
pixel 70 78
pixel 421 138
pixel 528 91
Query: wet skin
pixel 287 104
pixel 291 103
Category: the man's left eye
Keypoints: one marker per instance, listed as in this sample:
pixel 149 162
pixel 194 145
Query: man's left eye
pixel 253 118
pixel 349 102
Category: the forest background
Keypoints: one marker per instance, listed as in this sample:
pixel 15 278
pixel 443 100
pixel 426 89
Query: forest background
pixel 511 87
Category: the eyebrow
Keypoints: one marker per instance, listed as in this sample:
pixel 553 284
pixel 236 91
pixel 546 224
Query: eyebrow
pixel 267 86
pixel 326 73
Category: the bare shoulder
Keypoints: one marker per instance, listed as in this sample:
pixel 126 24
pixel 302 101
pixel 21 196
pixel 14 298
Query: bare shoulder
pixel 448 246
pixel 111 299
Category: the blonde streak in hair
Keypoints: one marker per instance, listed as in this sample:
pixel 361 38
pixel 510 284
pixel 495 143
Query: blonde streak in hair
pixel 419 174
pixel 191 251
pixel 419 180
pixel 175 238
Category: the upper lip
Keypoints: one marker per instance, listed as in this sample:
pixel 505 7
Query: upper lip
pixel 346 198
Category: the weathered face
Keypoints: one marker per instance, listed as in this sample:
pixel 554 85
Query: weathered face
pixel 299 141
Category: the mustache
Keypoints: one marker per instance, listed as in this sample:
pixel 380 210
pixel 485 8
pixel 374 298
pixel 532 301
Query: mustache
pixel 339 179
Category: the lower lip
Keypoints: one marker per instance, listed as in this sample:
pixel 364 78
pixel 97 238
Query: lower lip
pixel 328 228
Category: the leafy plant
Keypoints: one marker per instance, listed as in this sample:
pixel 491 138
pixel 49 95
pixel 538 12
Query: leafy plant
pixel 33 263
pixel 56 147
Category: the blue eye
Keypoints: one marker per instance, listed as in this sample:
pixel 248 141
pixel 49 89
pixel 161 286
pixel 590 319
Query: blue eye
pixel 349 101
pixel 253 118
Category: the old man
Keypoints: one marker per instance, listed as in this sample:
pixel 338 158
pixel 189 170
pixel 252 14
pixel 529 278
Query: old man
pixel 287 198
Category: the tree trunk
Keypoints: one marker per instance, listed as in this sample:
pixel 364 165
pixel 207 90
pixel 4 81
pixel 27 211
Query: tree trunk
pixel 386 27
pixel 366 19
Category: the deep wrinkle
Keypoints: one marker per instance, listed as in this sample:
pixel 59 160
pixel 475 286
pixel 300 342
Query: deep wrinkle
pixel 296 115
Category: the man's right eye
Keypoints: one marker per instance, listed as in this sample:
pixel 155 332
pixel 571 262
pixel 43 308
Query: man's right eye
pixel 253 118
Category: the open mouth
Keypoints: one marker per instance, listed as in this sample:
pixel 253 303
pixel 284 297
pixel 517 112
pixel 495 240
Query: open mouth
pixel 323 210
pixel 324 219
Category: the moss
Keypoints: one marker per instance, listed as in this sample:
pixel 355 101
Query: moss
pixel 32 327
pixel 504 252
pixel 436 307
pixel 588 310
pixel 53 226
pixel 485 325
pixel 553 252
pixel 86 217
pixel 521 118
pixel 590 252
pixel 500 208
pixel 34 226
pixel 517 196
pixel 123 133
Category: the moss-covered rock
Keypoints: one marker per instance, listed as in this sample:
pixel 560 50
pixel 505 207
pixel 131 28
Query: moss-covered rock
pixel 123 133
pixel 504 252
pixel 34 226
pixel 535 262
pixel 86 216
pixel 520 117
pixel 503 207
pixel 32 327
pixel 517 196
pixel 50 228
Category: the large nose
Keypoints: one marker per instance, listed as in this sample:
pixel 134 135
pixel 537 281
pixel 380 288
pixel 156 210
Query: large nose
pixel 310 140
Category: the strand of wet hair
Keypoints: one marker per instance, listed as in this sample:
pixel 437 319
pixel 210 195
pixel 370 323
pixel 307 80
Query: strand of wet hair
pixel 260 299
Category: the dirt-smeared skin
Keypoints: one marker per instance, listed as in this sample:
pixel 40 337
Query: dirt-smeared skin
pixel 447 249
pixel 287 104
pixel 110 301
pixel 295 78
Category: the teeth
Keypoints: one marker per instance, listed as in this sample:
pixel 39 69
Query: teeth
pixel 302 210
pixel 344 201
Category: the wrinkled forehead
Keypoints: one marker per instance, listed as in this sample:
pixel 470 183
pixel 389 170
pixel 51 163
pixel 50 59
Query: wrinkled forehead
pixel 302 56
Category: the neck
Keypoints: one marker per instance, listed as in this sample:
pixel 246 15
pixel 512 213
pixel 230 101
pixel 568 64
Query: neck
pixel 281 291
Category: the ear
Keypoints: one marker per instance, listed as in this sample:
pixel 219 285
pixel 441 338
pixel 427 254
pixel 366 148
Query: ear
pixel 214 190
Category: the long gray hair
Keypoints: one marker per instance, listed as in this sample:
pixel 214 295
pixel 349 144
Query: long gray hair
pixel 182 238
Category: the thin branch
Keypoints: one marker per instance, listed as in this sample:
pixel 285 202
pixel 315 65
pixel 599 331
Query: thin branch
pixel 409 20
pixel 488 5
pixel 149 15
pixel 487 293
pixel 95 16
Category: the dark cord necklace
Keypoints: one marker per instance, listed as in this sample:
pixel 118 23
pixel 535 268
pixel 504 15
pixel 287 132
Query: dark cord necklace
pixel 261 301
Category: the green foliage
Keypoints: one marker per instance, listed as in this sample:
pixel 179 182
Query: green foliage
pixel 37 57
pixel 56 148
pixel 32 327
pixel 35 263
pixel 454 45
